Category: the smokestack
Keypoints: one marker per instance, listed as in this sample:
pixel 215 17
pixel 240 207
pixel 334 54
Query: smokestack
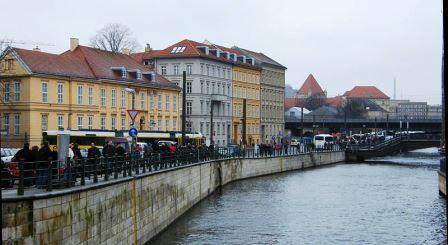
pixel 148 48
pixel 74 43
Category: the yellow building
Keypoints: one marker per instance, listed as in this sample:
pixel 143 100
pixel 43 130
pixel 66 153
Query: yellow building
pixel 246 85
pixel 82 88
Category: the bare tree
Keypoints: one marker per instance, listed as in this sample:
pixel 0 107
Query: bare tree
pixel 114 37
pixel 314 101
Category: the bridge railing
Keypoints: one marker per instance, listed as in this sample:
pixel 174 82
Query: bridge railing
pixel 51 175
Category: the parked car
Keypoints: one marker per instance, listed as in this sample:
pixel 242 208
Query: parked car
pixel 295 142
pixel 233 150
pixel 7 154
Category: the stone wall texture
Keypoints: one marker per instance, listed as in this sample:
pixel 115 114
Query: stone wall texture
pixel 134 210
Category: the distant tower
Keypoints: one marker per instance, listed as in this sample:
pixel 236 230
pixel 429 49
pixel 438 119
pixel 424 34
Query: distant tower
pixel 395 88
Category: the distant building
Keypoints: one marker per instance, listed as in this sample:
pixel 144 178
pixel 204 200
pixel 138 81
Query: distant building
pixel 412 110
pixel 296 112
pixel 369 92
pixel 434 111
pixel 310 88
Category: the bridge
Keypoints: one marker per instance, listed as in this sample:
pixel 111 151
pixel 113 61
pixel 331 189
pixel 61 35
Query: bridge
pixel 333 124
pixel 392 146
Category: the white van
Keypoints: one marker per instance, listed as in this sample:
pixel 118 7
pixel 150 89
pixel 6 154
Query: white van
pixel 320 140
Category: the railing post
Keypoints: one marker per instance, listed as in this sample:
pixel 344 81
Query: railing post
pixel 137 171
pixel 107 168
pixel 95 171
pixel 115 168
pixel 20 190
pixel 130 167
pixel 50 177
pixel 83 171
pixel 123 166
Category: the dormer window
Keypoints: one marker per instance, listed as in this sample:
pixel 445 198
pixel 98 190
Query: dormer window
pixel 250 61
pixel 233 56
pixel 139 75
pixel 149 75
pixel 241 58
pixel 124 73
pixel 203 49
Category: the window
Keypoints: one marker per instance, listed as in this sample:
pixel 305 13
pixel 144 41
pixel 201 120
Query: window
pixel 189 70
pixel 219 71
pixel 123 99
pixel 202 128
pixel 208 107
pixel 208 70
pixel 151 102
pixel 167 103
pixel 208 87
pixel 176 69
pixel 188 126
pixel 207 129
pixel 90 122
pixel 16 124
pixel 103 123
pixel 139 75
pixel 123 73
pixel 142 100
pixel 113 98
pixel 6 123
pixel 90 95
pixel 159 102
pixel 213 70
pixel 6 92
pixel 167 124
pixel 202 69
pixel 219 88
pixel 163 70
pixel 174 103
pixel 60 122
pixel 159 124
pixel 123 123
pixel 79 94
pixel 151 124
pixel 103 97
pixel 213 87
pixel 202 86
pixel 80 119
pixel 188 87
pixel 16 91
pixel 189 107
pixel 174 124
pixel 44 122
pixel 44 92
pixel 228 74
pixel 113 123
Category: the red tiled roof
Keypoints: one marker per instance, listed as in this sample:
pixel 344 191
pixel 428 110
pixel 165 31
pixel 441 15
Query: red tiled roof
pixel 335 101
pixel 310 86
pixel 191 50
pixel 46 63
pixel 290 102
pixel 86 62
pixel 366 92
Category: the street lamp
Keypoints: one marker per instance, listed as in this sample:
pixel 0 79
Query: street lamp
pixel 132 91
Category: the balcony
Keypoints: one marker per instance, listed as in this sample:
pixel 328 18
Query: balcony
pixel 219 97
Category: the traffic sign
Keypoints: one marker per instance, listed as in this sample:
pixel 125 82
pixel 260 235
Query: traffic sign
pixel 133 114
pixel 133 132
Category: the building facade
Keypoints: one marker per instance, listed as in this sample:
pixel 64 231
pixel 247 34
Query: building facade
pixel 412 110
pixel 208 85
pixel 434 111
pixel 272 96
pixel 80 89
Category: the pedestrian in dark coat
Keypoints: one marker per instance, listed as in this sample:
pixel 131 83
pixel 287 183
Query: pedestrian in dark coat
pixel 26 156
pixel 44 158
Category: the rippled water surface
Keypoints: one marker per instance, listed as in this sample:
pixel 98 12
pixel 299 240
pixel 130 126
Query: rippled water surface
pixel 391 200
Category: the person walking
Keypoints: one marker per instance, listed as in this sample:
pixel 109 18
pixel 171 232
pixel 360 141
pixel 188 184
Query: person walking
pixel 93 153
pixel 44 159
pixel 26 156
pixel 109 154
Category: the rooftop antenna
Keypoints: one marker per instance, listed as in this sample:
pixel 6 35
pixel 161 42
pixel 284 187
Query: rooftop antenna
pixel 395 88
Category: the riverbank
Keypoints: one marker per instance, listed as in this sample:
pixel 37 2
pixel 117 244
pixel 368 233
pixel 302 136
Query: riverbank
pixel 135 210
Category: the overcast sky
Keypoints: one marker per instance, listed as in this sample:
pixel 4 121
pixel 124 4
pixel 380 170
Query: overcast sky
pixel 342 43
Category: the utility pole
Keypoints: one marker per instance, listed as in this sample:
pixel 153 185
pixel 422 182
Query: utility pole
pixel 211 123
pixel 301 122
pixel 184 105
pixel 387 124
pixel 243 130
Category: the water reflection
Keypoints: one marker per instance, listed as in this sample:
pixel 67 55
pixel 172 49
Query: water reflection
pixel 392 200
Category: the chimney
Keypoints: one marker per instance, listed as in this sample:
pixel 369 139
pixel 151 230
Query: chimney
pixel 36 48
pixel 74 43
pixel 126 51
pixel 148 48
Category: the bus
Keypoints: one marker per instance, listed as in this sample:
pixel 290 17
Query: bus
pixel 85 137
pixel 321 139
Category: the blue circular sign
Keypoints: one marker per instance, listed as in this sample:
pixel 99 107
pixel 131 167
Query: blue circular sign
pixel 133 132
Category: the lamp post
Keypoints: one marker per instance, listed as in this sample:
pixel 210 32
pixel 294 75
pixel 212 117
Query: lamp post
pixel 184 104
pixel 132 91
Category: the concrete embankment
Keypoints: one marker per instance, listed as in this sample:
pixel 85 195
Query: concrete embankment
pixel 133 210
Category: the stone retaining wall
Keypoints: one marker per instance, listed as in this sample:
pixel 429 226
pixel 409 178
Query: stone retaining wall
pixel 133 210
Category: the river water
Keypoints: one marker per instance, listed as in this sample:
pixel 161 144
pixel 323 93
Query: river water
pixel 391 200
